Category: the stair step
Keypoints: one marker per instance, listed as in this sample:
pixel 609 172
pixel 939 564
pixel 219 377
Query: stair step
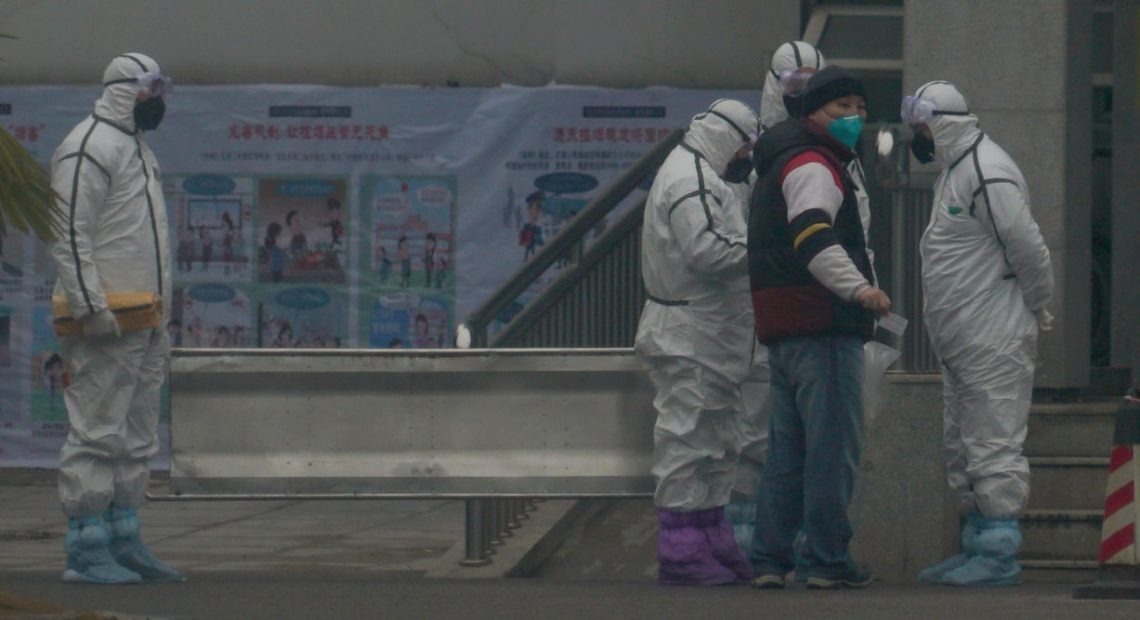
pixel 1062 483
pixel 1072 535
pixel 1059 571
pixel 1071 429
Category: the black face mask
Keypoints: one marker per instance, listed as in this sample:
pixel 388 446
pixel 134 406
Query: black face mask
pixel 737 171
pixel 922 148
pixel 148 114
pixel 793 105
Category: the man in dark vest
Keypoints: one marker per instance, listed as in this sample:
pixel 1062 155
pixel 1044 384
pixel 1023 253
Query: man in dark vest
pixel 815 304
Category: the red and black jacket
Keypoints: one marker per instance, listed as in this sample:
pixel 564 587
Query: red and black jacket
pixel 787 300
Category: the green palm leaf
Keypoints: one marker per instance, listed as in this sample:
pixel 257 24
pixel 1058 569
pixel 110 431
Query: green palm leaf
pixel 27 201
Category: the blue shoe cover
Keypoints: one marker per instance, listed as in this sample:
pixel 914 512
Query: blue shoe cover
pixel 934 574
pixel 130 551
pixel 89 557
pixel 996 562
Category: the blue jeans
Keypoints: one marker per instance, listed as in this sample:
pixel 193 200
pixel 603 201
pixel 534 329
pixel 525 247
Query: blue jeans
pixel 816 408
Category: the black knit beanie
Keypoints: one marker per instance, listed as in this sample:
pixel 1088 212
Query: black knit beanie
pixel 827 85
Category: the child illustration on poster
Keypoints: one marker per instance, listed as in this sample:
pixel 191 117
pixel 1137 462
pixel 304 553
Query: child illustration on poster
pixel 48 369
pixel 214 316
pixel 302 230
pixel 304 317
pixel 412 237
pixel 213 227
pixel 410 267
pixel 408 320
pixel 547 209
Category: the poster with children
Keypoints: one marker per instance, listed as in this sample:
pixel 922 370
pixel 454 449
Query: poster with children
pixel 409 320
pixel 311 317
pixel 411 223
pixel 301 224
pixel 212 220
pixel 212 316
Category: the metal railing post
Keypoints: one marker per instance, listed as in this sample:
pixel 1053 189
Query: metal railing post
pixel 475 541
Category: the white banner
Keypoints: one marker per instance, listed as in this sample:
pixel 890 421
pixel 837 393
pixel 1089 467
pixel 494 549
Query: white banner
pixel 308 216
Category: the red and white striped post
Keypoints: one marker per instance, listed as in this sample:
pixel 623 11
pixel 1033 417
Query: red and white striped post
pixel 1119 559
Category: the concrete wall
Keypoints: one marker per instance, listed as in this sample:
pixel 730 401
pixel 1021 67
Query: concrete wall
pixel 1024 66
pixel 614 43
pixel 901 515
pixel 1125 349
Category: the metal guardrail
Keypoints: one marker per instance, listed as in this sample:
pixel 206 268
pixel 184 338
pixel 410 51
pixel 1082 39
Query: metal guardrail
pixel 419 424
pixel 497 428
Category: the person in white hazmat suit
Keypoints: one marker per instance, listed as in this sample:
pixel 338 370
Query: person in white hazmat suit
pixel 115 242
pixel 696 338
pixel 987 279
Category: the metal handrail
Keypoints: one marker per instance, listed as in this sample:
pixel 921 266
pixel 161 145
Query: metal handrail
pixel 566 281
pixel 564 243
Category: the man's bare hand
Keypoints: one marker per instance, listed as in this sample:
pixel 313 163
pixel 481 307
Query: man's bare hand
pixel 874 300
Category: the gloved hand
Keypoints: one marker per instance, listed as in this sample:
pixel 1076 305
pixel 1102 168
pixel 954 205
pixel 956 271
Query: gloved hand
pixel 1044 320
pixel 101 324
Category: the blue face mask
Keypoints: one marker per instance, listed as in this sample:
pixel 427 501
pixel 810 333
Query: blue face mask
pixel 846 129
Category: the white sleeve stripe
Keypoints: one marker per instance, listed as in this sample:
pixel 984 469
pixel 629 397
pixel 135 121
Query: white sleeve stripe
pixel 811 186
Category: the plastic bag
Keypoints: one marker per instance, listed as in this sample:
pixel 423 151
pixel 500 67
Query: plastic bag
pixel 877 358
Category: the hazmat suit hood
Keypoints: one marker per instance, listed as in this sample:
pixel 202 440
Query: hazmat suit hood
pixel 953 134
pixel 788 57
pixel 117 103
pixel 718 133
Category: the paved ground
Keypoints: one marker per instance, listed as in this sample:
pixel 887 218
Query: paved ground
pixel 393 559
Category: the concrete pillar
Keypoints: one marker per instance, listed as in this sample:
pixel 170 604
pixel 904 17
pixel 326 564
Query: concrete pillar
pixel 1125 348
pixel 1024 66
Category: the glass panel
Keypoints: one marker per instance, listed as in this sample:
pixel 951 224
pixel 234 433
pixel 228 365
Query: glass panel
pixel 862 36
pixel 884 92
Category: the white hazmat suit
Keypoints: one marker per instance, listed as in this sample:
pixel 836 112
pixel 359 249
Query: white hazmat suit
pixel 115 242
pixel 696 336
pixel 986 273
pixel 790 56
pixel 696 331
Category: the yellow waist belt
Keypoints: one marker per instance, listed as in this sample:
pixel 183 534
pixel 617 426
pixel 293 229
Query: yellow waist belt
pixel 134 311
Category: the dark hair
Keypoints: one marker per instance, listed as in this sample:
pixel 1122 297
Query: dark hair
pixel 271 233
pixel 53 360
pixel 289 217
pixel 429 237
pixel 333 203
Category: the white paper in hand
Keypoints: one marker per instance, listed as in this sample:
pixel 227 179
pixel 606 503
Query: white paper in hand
pixel 894 324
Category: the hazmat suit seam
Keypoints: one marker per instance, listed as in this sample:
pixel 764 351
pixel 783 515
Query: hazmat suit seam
pixel 989 206
pixel 112 123
pixel 73 233
pixel 702 191
pixel 91 158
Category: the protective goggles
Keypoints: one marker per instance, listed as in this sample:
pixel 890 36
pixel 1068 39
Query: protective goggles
pixel 794 81
pixel 151 82
pixel 919 111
